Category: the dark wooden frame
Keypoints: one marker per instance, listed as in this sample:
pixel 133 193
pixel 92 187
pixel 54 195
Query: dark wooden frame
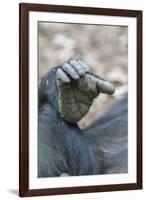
pixel 24 9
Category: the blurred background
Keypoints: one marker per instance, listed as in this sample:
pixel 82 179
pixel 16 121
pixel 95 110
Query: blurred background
pixel 103 48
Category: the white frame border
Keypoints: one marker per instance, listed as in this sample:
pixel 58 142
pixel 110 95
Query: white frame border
pixel 57 182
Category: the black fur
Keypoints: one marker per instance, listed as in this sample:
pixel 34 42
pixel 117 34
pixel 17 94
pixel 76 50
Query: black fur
pixel 108 135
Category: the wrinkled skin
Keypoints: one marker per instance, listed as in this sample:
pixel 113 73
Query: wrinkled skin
pixel 77 88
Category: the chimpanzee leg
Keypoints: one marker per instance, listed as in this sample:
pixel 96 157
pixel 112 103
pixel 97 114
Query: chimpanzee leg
pixel 62 148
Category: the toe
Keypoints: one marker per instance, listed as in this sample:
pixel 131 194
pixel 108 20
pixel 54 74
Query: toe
pixel 84 65
pixel 105 86
pixel 70 71
pixel 79 69
pixel 61 75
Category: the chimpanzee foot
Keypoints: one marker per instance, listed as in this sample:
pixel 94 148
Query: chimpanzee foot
pixel 77 88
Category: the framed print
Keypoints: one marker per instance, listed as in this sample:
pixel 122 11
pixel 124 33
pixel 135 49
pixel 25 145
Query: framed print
pixel 80 100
